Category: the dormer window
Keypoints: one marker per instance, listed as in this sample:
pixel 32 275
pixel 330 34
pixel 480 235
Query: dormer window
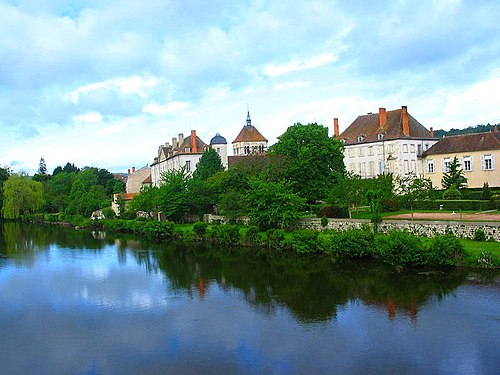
pixel 380 136
pixel 360 138
pixel 187 149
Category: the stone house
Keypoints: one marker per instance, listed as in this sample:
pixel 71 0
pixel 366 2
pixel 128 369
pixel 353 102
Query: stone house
pixel 477 153
pixel 136 179
pixel 385 142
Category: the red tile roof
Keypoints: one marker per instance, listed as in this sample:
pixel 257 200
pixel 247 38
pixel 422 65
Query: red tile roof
pixel 249 133
pixel 466 143
pixel 368 127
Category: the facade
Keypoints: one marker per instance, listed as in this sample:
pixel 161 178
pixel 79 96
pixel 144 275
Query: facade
pixel 137 179
pixel 219 144
pixel 385 142
pixel 477 153
pixel 249 141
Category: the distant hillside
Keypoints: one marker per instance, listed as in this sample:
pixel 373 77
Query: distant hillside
pixel 470 129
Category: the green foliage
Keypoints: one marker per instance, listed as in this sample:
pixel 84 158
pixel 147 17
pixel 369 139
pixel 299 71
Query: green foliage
pixel 173 195
pixel 452 193
pixel 86 194
pixel 146 201
pixel 68 168
pixel 445 250
pixel 225 234
pixel 488 260
pixel 456 205
pixel 411 188
pixel 304 241
pixel 200 228
pixel 209 164
pixel 57 190
pixel 203 196
pixel 156 229
pixel 324 221
pixel 275 239
pixel 354 243
pixel 21 195
pixel 349 191
pixel 232 204
pixel 479 235
pixel 486 192
pixel 42 167
pixel 401 249
pixel 312 159
pixel 333 211
pixel 128 215
pixel 455 176
pixel 252 236
pixel 273 205
pixel 4 175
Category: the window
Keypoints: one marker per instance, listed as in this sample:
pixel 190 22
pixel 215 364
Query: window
pixel 350 152
pixel 218 150
pixel 467 163
pixel 406 167
pixel 187 149
pixel 412 149
pixel 380 137
pixel 371 168
pixel 360 139
pixel 360 151
pixel 488 162
pixel 381 167
pixel 405 147
pixel 188 166
pixel 247 150
pixel 419 149
pixel 430 166
pixel 370 150
pixel 380 150
pixel 446 165
pixel 414 166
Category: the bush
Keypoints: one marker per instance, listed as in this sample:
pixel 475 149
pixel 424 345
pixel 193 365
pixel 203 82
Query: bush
pixel 445 250
pixel 108 213
pixel 331 211
pixel 479 235
pixel 488 260
pixel 390 204
pixel 353 243
pixel 225 234
pixel 304 241
pixel 452 194
pixel 200 228
pixel 155 229
pixel 128 215
pixel 455 205
pixel 400 248
pixel 252 235
pixel 276 239
pixel 324 221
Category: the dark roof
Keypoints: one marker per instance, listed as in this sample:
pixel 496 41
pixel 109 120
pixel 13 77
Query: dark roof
pixel 367 126
pixel 466 143
pixel 187 144
pixel 249 133
pixel 218 140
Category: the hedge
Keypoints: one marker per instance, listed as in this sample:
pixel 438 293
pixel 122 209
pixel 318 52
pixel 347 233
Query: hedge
pixel 457 205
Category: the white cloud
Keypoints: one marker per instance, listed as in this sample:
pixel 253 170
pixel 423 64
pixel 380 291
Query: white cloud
pixel 168 108
pixel 88 117
pixel 274 70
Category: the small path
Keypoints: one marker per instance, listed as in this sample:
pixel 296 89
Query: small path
pixel 447 216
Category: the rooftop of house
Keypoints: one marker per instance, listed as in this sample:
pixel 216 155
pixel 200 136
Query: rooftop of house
pixel 466 143
pixel 218 140
pixel 189 145
pixel 249 133
pixel 385 125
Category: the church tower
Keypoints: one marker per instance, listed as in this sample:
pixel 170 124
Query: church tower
pixel 249 141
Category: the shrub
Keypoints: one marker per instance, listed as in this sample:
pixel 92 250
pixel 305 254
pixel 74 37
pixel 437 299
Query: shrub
pixel 141 218
pixel 276 239
pixel 324 221
pixel 390 204
pixel 156 229
pixel 488 260
pixel 128 215
pixel 226 234
pixel 108 213
pixel 455 205
pixel 479 235
pixel 200 228
pixel 252 235
pixel 353 243
pixel 452 193
pixel 445 250
pixel 331 211
pixel 400 248
pixel 304 241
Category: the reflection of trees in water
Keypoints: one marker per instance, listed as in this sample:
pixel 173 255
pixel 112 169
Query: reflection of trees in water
pixel 22 241
pixel 311 288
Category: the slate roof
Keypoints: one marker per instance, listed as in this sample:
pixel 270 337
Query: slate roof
pixel 249 133
pixel 466 143
pixel 367 126
pixel 218 140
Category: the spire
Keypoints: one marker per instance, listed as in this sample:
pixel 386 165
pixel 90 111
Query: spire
pixel 249 120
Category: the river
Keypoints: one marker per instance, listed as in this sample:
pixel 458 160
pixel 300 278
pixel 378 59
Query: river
pixel 77 302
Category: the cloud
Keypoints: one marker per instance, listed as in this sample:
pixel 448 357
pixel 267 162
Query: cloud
pixel 89 117
pixel 171 107
pixel 294 65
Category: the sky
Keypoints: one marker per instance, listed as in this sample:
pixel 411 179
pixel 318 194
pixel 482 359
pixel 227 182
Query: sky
pixel 104 83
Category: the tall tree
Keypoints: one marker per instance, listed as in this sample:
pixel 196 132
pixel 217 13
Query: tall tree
pixel 312 159
pixel 349 191
pixel 455 176
pixel 42 166
pixel 21 195
pixel 4 175
pixel 411 188
pixel 209 164
pixel 86 194
pixel 173 195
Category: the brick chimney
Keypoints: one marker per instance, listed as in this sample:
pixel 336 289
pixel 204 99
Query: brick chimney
pixel 404 120
pixel 382 117
pixel 495 129
pixel 336 127
pixel 128 171
pixel 194 144
pixel 133 169
pixel 174 143
pixel 181 139
pixel 431 129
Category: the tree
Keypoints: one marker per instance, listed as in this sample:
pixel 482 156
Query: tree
pixel 21 195
pixel 86 194
pixel 455 176
pixel 4 175
pixel 349 191
pixel 146 201
pixel 412 188
pixel 173 194
pixel 68 168
pixel 57 190
pixel 273 204
pixel 312 159
pixel 42 167
pixel 209 164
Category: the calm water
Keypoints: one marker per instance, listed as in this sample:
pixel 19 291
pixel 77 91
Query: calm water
pixel 73 302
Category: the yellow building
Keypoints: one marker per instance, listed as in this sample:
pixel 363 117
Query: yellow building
pixel 476 152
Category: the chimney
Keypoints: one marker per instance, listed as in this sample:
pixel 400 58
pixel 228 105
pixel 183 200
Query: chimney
pixel 194 144
pixel 432 131
pixel 336 127
pixel 181 139
pixel 174 143
pixel 405 121
pixel 133 169
pixel 382 117
pixel 128 171
pixel 495 129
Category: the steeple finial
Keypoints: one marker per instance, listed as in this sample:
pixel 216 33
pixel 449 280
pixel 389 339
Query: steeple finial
pixel 249 120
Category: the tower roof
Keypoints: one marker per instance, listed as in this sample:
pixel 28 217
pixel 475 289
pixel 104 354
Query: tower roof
pixel 249 133
pixel 218 140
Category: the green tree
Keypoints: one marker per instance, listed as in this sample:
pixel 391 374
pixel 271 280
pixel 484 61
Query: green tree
pixel 42 166
pixel 273 204
pixel 21 195
pixel 4 175
pixel 455 176
pixel 86 194
pixel 173 194
pixel 57 190
pixel 68 168
pixel 349 191
pixel 312 159
pixel 209 164
pixel 411 188
pixel 146 201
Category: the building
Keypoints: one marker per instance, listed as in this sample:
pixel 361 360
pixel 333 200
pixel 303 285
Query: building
pixel 136 179
pixel 385 142
pixel 182 153
pixel 219 144
pixel 477 153
pixel 249 141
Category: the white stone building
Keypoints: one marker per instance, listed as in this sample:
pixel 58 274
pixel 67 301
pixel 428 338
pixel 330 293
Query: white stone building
pixel 385 142
pixel 249 141
pixel 136 179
